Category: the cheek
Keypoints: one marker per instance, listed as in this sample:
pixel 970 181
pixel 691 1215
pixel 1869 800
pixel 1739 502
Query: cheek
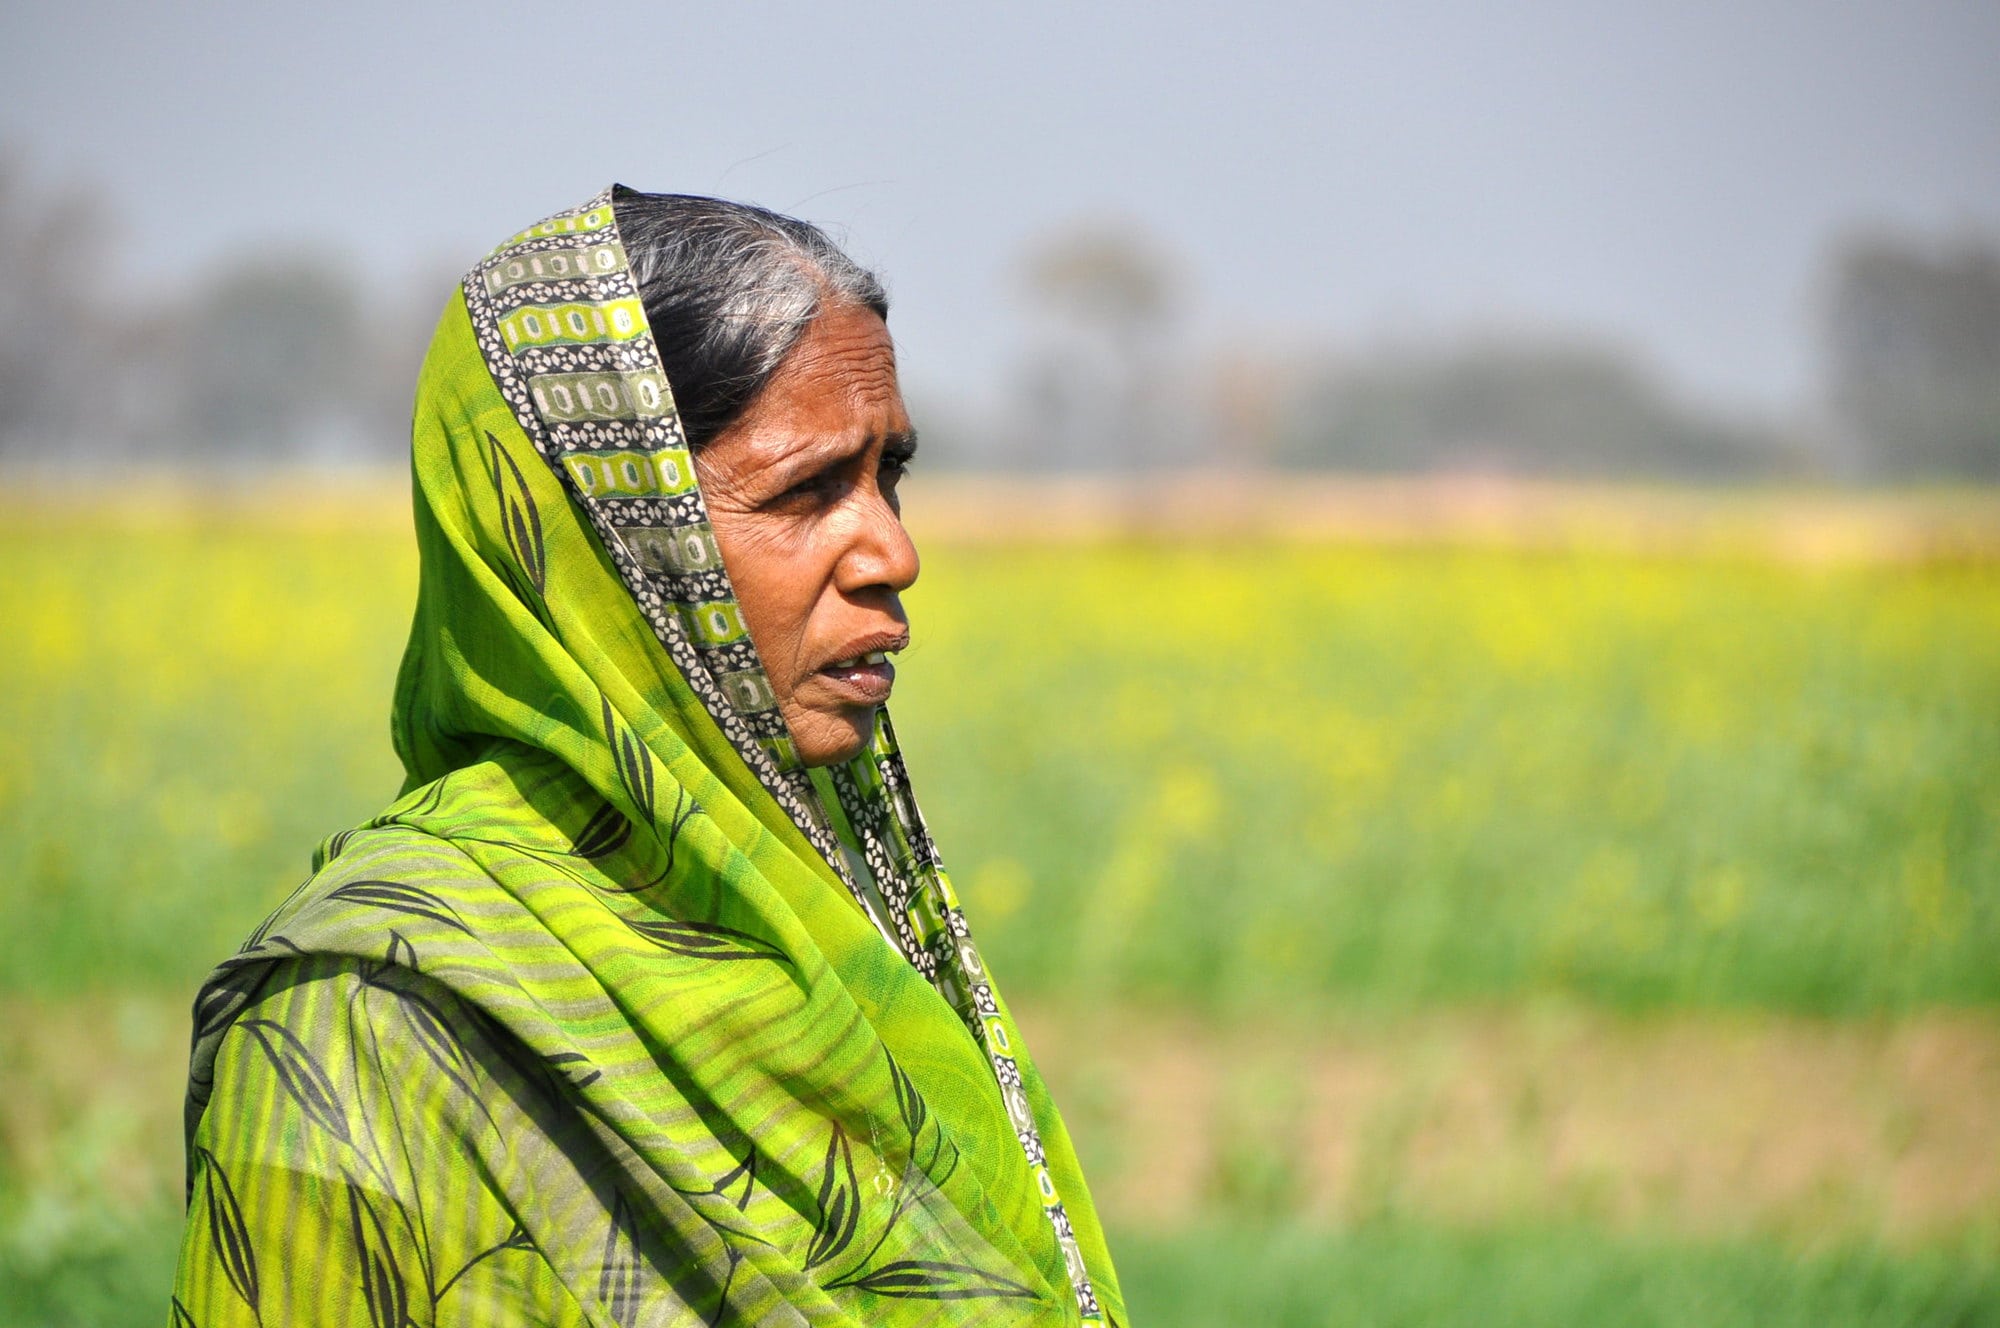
pixel 779 576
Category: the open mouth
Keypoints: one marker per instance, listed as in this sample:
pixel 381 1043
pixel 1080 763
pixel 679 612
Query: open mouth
pixel 863 679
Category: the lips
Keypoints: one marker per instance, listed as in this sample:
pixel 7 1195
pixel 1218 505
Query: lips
pixel 866 682
pixel 863 675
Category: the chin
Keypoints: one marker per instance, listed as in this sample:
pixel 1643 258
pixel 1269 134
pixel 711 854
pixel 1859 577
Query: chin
pixel 833 741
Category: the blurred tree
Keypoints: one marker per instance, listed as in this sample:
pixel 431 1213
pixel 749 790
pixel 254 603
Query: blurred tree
pixel 1912 343
pixel 397 332
pixel 53 347
pixel 270 357
pixel 1107 275
pixel 1524 406
pixel 1253 386
pixel 1107 294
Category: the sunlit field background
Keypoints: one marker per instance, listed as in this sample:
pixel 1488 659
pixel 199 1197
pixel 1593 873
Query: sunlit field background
pixel 1581 911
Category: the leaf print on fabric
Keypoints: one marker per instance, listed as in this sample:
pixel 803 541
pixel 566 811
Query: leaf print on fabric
pixel 275 947
pixel 839 1202
pixel 605 833
pixel 519 517
pixel 255 941
pixel 401 898
pixel 744 1173
pixel 420 802
pixel 618 1282
pixel 925 1279
pixel 635 762
pixel 383 1287
pixel 221 1001
pixel 299 1075
pixel 566 1059
pixel 401 953
pixel 531 1069
pixel 909 1102
pixel 517 1239
pixel 746 1170
pixel 916 1113
pixel 433 1036
pixel 706 940
pixel 228 1233
pixel 684 809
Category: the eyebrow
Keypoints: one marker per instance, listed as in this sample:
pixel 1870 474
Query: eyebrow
pixel 900 444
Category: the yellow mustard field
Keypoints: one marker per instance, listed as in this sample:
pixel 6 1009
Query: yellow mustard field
pixel 1423 925
pixel 1221 773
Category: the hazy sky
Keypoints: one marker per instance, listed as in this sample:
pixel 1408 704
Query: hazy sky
pixel 1667 172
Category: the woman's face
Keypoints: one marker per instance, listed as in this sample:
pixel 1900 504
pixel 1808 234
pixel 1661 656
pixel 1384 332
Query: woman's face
pixel 801 489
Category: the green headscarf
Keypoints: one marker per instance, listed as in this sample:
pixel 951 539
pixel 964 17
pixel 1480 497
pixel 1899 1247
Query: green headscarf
pixel 600 1023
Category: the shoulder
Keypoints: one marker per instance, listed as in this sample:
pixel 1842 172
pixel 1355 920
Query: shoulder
pixel 351 1150
pixel 373 886
pixel 319 1025
pixel 385 899
pixel 428 866
pixel 329 1052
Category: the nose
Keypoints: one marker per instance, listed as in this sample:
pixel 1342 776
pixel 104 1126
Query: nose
pixel 879 552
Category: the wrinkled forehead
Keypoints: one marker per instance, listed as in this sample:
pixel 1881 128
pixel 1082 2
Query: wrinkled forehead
pixel 835 390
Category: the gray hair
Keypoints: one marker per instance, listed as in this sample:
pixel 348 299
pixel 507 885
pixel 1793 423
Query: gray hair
pixel 729 289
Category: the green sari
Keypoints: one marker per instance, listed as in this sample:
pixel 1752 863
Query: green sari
pixel 615 1016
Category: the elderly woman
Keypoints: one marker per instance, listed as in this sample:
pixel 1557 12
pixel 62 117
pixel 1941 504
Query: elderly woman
pixel 649 1001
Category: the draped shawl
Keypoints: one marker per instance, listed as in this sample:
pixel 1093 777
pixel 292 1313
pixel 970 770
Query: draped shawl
pixel 615 1016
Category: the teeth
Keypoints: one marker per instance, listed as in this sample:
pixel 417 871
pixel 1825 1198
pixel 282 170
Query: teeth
pixel 861 661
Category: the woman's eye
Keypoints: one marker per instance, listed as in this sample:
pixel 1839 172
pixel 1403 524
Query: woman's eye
pixel 814 491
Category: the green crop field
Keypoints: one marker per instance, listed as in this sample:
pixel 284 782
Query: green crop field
pixel 1409 807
